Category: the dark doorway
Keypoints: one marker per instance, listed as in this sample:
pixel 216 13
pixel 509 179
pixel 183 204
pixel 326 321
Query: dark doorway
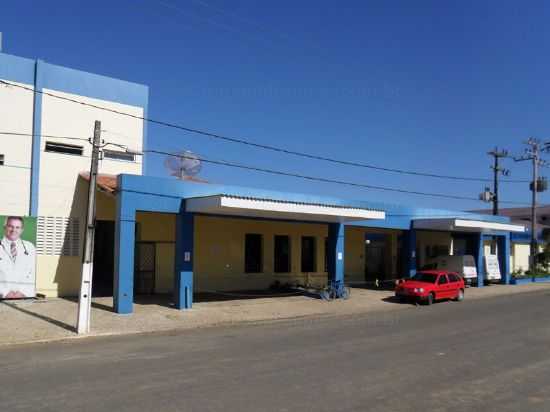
pixel 104 258
pixel 375 257
pixel 144 268
pixel 282 254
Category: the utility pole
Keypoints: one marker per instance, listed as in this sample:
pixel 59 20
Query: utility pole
pixel 85 297
pixel 496 171
pixel 533 153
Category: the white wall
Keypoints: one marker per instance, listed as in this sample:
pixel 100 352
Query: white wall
pixel 16 115
pixel 59 172
pixel 520 256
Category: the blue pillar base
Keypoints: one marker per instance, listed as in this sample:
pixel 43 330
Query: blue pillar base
pixel 480 263
pixel 123 291
pixel 409 249
pixel 504 258
pixel 183 277
pixel 184 291
pixel 336 252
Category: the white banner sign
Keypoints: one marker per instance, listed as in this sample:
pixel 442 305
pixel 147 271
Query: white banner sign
pixel 492 267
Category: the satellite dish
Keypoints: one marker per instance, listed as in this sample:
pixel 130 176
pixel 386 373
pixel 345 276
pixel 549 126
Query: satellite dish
pixel 183 164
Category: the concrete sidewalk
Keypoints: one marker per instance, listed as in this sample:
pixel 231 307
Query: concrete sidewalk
pixel 55 319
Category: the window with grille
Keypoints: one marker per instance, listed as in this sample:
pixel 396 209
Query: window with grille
pixel 57 236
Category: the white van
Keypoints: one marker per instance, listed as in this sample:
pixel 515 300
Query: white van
pixel 464 265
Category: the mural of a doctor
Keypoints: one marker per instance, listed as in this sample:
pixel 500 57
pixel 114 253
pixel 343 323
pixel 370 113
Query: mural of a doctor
pixel 17 261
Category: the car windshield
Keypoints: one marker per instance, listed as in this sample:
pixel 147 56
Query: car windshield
pixel 424 277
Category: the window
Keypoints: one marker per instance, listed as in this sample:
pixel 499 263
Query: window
pixel 253 262
pixel 308 254
pixel 424 277
pixel 1 160
pixel 64 148
pixel 453 277
pixel 118 155
pixel 442 280
pixel 282 254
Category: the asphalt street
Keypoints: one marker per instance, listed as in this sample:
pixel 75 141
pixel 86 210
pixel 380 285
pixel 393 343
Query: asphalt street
pixel 489 354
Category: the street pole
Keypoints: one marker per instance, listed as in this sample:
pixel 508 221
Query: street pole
pixel 496 171
pixel 85 297
pixel 495 186
pixel 533 251
pixel 533 152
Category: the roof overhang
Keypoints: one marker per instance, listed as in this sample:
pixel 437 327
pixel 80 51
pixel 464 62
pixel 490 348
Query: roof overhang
pixel 466 225
pixel 279 209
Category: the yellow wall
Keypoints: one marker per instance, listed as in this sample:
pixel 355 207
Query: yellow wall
pixel 160 228
pixel 354 256
pixel 105 206
pixel 219 253
pixel 58 275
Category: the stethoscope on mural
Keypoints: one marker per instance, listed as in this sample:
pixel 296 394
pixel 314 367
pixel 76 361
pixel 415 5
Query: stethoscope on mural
pixel 8 253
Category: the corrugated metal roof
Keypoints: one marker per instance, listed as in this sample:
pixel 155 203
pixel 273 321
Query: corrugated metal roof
pixel 298 203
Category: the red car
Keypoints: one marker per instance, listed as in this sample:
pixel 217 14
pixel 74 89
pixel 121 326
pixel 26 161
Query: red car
pixel 428 286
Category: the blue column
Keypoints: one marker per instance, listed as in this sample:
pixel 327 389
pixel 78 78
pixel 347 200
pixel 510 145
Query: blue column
pixel 183 277
pixel 36 138
pixel 409 249
pixel 125 226
pixel 504 257
pixel 335 251
pixel 480 263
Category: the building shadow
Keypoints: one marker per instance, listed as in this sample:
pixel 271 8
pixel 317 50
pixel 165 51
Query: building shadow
pixel 161 299
pixel 219 296
pixel 55 322
pixel 387 285
pixel 95 305
pixel 396 300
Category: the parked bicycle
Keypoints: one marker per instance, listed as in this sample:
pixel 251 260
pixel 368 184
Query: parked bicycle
pixel 335 289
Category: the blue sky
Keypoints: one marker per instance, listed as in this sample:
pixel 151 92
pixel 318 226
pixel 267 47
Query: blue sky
pixel 425 85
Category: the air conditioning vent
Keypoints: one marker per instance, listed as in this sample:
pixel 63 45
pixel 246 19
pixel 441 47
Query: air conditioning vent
pixel 58 236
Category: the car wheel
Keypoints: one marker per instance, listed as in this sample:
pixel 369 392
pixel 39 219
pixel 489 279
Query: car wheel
pixel 431 299
pixel 460 295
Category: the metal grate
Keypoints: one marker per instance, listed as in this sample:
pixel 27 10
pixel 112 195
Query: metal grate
pixel 57 236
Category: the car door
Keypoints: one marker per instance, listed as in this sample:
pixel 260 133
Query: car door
pixel 443 290
pixel 454 284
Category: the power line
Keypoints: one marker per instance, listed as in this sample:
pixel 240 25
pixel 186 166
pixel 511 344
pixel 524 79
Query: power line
pixel 87 139
pixel 322 179
pixel 277 172
pixel 259 145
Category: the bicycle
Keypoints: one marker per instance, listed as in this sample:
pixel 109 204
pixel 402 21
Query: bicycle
pixel 335 289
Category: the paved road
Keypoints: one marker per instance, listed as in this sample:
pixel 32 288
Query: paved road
pixel 489 354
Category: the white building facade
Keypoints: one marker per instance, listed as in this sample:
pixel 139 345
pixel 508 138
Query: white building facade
pixel 43 150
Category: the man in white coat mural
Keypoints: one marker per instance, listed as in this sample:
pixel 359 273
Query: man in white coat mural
pixel 17 262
